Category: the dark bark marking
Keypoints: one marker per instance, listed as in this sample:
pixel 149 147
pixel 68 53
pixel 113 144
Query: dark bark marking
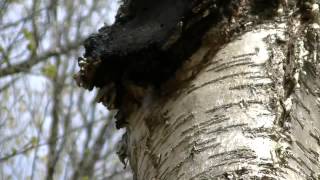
pixel 212 63
pixel 221 107
pixel 233 65
pixel 300 103
pixel 244 55
pixel 176 168
pixel 250 86
pixel 298 120
pixel 270 168
pixel 230 64
pixel 163 173
pixel 185 141
pixel 207 141
pixel 296 170
pixel 300 162
pixel 258 65
pixel 218 118
pixel 226 128
pixel 227 106
pixel 206 173
pixel 141 161
pixel 259 132
pixel 204 148
pixel 181 120
pixel 193 146
pixel 238 153
pixel 217 80
pixel 307 153
pixel 316 135
pixel 305 84
pixel 204 125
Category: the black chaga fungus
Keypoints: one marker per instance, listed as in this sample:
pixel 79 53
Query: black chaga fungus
pixel 145 46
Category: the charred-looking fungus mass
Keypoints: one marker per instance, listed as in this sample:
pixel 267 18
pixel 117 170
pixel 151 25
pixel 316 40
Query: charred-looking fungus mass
pixel 145 46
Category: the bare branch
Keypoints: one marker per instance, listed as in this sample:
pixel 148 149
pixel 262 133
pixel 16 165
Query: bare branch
pixel 91 156
pixel 9 84
pixel 15 153
pixel 53 158
pixel 29 63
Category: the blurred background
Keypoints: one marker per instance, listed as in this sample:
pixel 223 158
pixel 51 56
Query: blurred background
pixel 49 127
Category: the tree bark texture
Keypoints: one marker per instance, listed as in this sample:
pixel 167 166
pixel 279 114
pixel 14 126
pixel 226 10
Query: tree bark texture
pixel 245 105
pixel 239 118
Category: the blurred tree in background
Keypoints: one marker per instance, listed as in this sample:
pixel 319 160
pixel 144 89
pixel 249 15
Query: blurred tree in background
pixel 49 128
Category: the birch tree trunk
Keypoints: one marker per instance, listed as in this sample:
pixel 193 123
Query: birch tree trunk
pixel 252 111
pixel 245 105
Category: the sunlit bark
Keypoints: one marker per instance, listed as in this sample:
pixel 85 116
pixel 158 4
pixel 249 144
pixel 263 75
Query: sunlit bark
pixel 252 112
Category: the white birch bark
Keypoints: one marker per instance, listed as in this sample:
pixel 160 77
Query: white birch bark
pixel 240 117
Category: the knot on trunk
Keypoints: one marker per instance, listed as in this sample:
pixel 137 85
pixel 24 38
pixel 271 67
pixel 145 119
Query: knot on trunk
pixel 145 46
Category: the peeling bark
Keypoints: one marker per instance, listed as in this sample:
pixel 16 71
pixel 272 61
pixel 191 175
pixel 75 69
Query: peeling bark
pixel 245 105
